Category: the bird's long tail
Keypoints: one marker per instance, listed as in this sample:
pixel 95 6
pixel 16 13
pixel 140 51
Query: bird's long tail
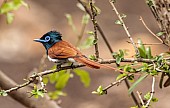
pixel 91 63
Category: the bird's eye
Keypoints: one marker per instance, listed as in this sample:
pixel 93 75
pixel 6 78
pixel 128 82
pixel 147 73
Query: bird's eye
pixel 47 38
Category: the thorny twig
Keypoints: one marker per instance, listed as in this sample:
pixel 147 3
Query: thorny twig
pixel 95 29
pixel 114 83
pixel 124 26
pixel 98 27
pixel 146 43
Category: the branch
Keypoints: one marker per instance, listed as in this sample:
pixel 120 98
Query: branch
pixel 140 98
pixel 21 96
pixel 152 92
pixel 124 26
pixel 98 27
pixel 115 83
pixel 94 14
pixel 150 30
pixel 108 61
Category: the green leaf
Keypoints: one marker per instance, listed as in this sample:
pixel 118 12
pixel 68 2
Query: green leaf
pixel 131 78
pixel 62 81
pixel 136 83
pixel 141 48
pixel 84 76
pixel 154 99
pixel 118 60
pixel 121 53
pixel 40 93
pixel 3 93
pixel 120 76
pixel 127 68
pixel 123 15
pixel 160 33
pixel 147 96
pixel 92 57
pixel 87 43
pixel 154 72
pixel 85 19
pixel 37 92
pixel 119 56
pixel 99 91
pixel 9 17
pixel 118 22
pixel 148 53
pixel 150 2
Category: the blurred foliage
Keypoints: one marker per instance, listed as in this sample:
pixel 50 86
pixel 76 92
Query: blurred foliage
pixel 84 76
pixel 9 6
pixel 60 80
pixel 87 43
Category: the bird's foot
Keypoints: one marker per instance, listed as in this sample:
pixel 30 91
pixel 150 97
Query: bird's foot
pixel 58 66
pixel 72 65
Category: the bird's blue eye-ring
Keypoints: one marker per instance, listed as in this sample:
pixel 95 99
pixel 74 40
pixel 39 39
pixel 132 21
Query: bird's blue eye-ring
pixel 47 38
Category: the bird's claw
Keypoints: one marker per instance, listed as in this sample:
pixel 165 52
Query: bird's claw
pixel 72 65
pixel 58 66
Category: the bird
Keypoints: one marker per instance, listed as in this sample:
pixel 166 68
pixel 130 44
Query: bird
pixel 60 51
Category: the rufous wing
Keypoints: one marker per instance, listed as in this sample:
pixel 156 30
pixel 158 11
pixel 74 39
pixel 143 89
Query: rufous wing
pixel 62 50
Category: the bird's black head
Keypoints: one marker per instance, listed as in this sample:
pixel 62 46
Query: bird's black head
pixel 49 39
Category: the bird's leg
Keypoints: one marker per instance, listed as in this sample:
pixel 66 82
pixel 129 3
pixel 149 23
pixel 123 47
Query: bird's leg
pixel 72 65
pixel 59 65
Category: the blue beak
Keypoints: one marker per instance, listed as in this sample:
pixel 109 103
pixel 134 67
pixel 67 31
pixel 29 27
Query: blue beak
pixel 39 40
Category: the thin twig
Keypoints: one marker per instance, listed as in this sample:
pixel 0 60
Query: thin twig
pixel 140 98
pixel 41 83
pixel 98 27
pixel 150 30
pixel 146 43
pixel 124 26
pixel 95 28
pixel 114 83
pixel 135 47
pixel 152 92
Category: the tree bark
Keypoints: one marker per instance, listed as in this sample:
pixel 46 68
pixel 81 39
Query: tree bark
pixel 22 97
pixel 161 12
